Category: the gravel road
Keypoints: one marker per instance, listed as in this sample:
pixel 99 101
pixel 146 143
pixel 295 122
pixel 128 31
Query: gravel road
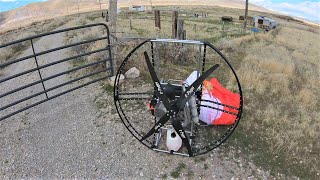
pixel 71 137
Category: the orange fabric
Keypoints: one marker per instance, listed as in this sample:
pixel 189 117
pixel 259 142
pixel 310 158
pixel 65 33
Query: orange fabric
pixel 150 106
pixel 226 97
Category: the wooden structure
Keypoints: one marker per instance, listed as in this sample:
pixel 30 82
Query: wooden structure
pixel 227 18
pixel 174 24
pixel 157 19
pixel 245 17
pixel 180 29
pixel 113 27
pixel 198 15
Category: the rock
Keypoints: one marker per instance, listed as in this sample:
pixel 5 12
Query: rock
pixel 132 73
pixel 111 79
pixel 141 174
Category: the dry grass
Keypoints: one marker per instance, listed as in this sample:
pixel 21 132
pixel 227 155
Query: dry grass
pixel 86 35
pixel 7 53
pixel 12 51
pixel 280 76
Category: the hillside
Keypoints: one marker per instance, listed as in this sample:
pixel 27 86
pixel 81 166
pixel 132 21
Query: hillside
pixel 54 8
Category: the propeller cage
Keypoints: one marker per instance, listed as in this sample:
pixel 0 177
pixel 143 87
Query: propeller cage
pixel 140 108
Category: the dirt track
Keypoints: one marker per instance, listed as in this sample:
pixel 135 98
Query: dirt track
pixel 70 137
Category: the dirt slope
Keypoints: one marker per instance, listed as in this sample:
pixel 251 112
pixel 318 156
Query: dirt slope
pixel 53 8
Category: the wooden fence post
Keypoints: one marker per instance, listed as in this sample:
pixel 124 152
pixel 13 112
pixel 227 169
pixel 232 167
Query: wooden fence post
pixel 107 16
pixel 180 28
pixel 174 24
pixel 130 24
pixel 157 19
pixel 245 17
pixel 113 30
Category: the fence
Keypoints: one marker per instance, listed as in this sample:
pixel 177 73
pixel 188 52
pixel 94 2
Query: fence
pixel 8 109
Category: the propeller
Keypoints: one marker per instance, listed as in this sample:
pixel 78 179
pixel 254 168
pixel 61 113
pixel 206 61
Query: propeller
pixel 173 110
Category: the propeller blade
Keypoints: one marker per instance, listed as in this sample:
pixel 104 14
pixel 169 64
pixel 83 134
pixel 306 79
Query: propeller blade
pixel 156 127
pixel 158 88
pixel 180 130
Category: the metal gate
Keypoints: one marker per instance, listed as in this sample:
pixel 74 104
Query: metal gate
pixel 34 88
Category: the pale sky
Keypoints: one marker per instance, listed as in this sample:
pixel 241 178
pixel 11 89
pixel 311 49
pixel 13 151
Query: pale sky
pixel 309 9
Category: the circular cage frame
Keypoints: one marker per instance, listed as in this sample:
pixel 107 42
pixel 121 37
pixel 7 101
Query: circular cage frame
pixel 139 136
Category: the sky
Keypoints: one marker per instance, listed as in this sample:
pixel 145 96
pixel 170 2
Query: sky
pixel 6 5
pixel 307 9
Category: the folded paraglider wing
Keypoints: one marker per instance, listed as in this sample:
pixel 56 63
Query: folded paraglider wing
pixel 219 106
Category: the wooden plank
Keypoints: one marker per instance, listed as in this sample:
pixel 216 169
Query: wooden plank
pixel 157 19
pixel 174 24
pixel 180 29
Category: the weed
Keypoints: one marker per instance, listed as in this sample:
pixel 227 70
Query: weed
pixel 164 176
pixel 190 173
pixel 140 32
pixel 176 173
pixel 199 159
pixel 108 88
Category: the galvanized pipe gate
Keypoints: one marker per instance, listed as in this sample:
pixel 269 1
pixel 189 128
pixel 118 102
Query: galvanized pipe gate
pixel 16 107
